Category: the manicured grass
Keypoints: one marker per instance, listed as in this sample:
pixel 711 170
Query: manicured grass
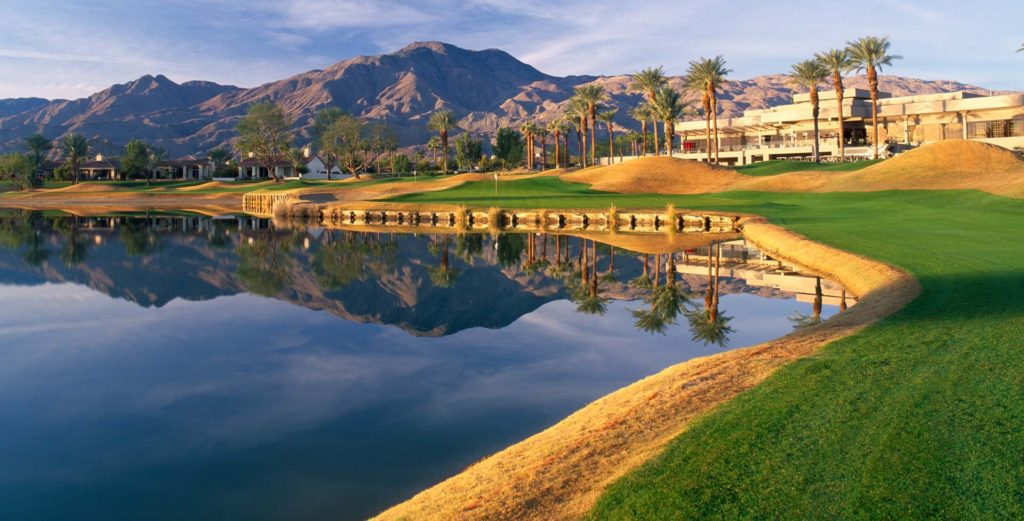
pixel 776 167
pixel 919 416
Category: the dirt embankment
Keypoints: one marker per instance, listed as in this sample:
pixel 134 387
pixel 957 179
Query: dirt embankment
pixel 560 472
pixel 948 165
pixel 658 175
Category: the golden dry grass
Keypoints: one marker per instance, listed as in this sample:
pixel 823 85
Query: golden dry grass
pixel 560 472
pixel 947 165
pixel 658 175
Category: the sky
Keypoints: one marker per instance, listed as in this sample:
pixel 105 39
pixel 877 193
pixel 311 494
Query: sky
pixel 70 49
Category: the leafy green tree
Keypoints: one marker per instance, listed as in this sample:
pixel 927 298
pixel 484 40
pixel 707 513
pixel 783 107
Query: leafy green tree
pixel 468 151
pixel 265 264
pixel 510 248
pixel 264 133
pixel 37 147
pixel 508 147
pixel 75 147
pixel 135 160
pixel 138 238
pixel 401 164
pixel 322 121
pixel 157 155
pixel 810 73
pixel 442 121
pixel 17 169
pixel 356 144
pixel 870 54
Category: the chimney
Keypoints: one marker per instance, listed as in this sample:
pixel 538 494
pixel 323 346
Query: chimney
pixel 305 152
pixel 99 157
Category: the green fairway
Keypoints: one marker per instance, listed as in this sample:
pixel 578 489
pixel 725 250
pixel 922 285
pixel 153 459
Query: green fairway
pixel 776 167
pixel 917 417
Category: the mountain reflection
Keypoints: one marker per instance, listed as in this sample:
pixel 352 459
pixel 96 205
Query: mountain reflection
pixel 426 285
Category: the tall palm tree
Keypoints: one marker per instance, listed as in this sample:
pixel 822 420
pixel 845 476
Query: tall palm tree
pixel 529 130
pixel 38 147
pixel 442 121
pixel 75 148
pixel 838 63
pixel 709 73
pixel 608 118
pixel 642 113
pixel 592 94
pixel 668 105
pixel 434 144
pixel 577 113
pixel 557 128
pixel 809 73
pixel 542 133
pixel 648 81
pixel 870 54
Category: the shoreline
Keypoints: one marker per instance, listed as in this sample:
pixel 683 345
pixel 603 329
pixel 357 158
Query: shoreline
pixel 560 472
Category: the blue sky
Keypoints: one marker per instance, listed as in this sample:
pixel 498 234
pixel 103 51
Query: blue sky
pixel 70 49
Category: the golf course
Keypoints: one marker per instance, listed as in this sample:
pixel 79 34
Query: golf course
pixel 914 416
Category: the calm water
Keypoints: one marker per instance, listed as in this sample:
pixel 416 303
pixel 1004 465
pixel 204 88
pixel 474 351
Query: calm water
pixel 183 368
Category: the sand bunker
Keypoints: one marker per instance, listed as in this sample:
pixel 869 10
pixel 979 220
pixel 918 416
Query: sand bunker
pixel 658 175
pixel 948 165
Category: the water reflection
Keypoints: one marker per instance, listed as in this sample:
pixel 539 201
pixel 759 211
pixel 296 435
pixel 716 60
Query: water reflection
pixel 228 368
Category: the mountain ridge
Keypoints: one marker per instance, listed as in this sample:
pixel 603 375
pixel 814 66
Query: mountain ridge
pixel 487 89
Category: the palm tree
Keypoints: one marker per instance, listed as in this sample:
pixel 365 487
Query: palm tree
pixel 838 63
pixel 434 144
pixel 608 118
pixel 809 73
pixel 542 132
pixel 707 75
pixel 642 113
pixel 219 157
pixel 38 146
pixel 75 148
pixel 870 54
pixel 592 94
pixel 443 276
pixel 668 105
pixel 649 81
pixel 442 121
pixel 577 113
pixel 529 130
pixel 557 128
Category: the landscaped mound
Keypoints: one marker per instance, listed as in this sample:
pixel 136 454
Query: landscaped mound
pixel 658 175
pixel 947 165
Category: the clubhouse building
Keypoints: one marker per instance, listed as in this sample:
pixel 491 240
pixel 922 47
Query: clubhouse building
pixel 787 131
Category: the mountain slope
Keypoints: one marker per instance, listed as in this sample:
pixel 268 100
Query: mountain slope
pixel 487 89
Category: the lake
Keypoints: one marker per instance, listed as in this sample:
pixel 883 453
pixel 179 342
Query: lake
pixel 181 367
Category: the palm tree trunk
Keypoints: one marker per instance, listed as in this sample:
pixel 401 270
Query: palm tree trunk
pixel 558 151
pixel 707 125
pixel 647 259
pixel 873 84
pixel 444 147
pixel 611 261
pixel 593 136
pixel 643 131
pixel 815 111
pixel 837 80
pixel 611 143
pixel 714 117
pixel 657 268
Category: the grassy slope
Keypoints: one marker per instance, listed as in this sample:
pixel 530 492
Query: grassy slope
pixel 781 167
pixel 919 416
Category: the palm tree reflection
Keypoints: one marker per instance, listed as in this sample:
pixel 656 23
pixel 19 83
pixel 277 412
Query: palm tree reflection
pixel 709 325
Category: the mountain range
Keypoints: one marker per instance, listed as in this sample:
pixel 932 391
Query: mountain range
pixel 487 89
